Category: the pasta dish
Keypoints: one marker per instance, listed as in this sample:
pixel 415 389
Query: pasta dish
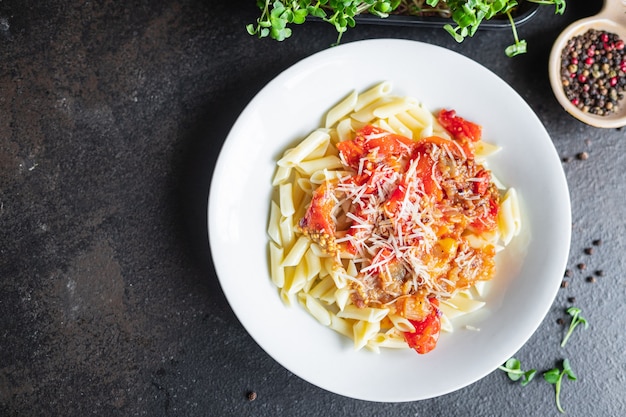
pixel 387 220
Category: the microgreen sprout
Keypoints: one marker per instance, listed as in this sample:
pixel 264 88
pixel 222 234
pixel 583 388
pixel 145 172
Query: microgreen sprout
pixel 520 46
pixel 576 320
pixel 555 377
pixel 513 369
pixel 276 15
pixel 466 15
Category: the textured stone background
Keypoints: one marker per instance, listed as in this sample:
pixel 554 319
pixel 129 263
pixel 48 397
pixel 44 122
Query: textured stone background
pixel 111 118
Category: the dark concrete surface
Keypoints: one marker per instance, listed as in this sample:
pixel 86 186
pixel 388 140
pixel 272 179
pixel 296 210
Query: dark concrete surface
pixel 112 115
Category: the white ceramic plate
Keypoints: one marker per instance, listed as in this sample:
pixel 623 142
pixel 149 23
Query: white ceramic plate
pixel 530 269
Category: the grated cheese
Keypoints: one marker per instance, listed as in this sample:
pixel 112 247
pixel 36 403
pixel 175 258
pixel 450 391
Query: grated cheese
pixel 394 248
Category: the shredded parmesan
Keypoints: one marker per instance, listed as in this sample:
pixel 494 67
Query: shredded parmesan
pixel 394 226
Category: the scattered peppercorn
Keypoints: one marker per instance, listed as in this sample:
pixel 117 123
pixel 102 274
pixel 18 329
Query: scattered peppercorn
pixel 564 284
pixel 571 299
pixel 251 396
pixel 600 273
pixel 567 159
pixel 568 272
pixel 582 266
pixel 582 156
pixel 589 251
pixel 560 321
pixel 593 71
pixel 591 279
pixel 597 242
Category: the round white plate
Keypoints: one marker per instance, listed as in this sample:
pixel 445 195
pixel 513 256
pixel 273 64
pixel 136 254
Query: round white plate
pixel 529 270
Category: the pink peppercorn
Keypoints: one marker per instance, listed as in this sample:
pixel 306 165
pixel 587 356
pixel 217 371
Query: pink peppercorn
pixel 582 78
pixel 613 81
pixel 589 61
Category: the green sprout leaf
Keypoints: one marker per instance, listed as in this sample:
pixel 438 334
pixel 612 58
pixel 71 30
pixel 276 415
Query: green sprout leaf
pixel 517 48
pixel 576 320
pixel 513 369
pixel 555 377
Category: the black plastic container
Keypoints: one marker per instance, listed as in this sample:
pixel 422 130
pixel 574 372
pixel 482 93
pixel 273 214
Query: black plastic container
pixel 525 11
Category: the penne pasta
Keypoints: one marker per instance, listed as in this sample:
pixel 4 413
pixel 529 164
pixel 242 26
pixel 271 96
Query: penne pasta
pixel 484 150
pixel 369 314
pixel 391 339
pixel 395 106
pixel 342 297
pixel 363 332
pixel 298 154
pixel 287 298
pixel 422 116
pixel 306 185
pixel 509 219
pixel 287 232
pixel 341 110
pixel 298 279
pixel 398 127
pixel 401 323
pixel 373 94
pixel 322 287
pixel 341 326
pixel 317 310
pixel 285 193
pixel 273 229
pixel 366 114
pixel 344 130
pixel 409 121
pixel 282 174
pixel 327 270
pixel 277 272
pixel 338 274
pixel 446 324
pixel 295 255
pixel 313 265
pixel 315 165
pixel 384 125
pixel 323 175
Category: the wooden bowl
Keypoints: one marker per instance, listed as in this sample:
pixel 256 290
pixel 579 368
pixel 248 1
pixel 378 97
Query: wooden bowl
pixel 612 18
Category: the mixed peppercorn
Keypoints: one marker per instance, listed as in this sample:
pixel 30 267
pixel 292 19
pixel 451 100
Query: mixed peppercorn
pixel 593 71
